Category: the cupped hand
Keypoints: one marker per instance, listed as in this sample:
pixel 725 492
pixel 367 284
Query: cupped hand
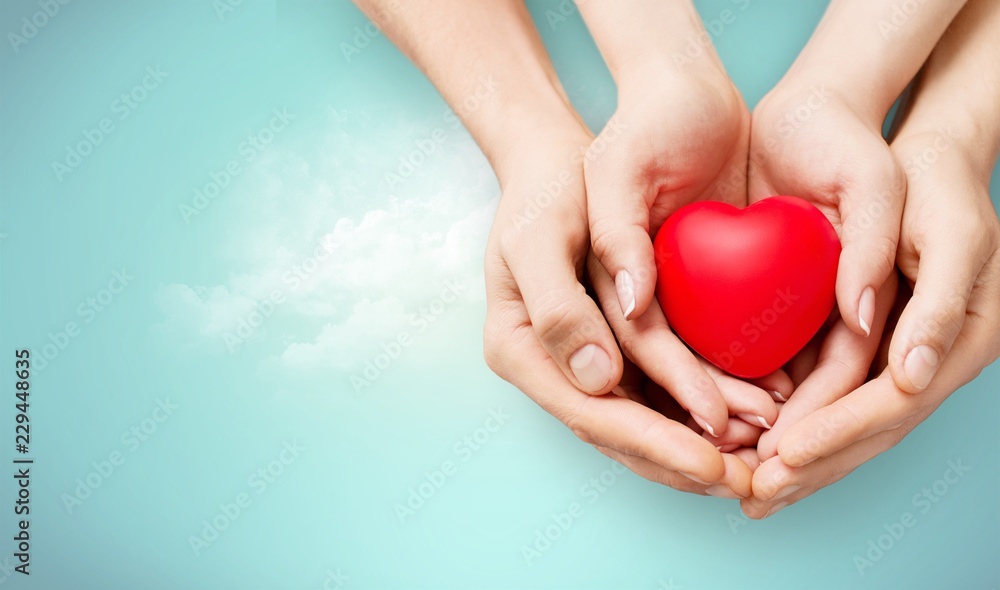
pixel 950 254
pixel 545 335
pixel 677 136
pixel 810 142
pixel 752 406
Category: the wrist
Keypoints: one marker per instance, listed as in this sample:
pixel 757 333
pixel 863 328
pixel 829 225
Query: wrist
pixel 539 137
pixel 963 142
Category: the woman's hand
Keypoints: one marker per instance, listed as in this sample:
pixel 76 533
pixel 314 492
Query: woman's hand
pixel 950 249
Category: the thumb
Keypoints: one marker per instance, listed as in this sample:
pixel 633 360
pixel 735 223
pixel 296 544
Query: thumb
pixel 935 314
pixel 565 319
pixel 870 218
pixel 619 228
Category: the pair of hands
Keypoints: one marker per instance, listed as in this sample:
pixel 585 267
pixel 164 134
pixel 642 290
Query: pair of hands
pixel 589 206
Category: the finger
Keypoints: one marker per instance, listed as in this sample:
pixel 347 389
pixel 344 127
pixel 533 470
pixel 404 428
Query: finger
pixel 739 434
pixel 842 366
pixel 648 341
pixel 933 318
pixel 618 203
pixel 776 485
pixel 778 385
pixel 744 400
pixel 656 473
pixel 566 320
pixel 609 421
pixel 870 210
pixel 748 456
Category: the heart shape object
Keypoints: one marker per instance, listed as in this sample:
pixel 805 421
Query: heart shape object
pixel 747 288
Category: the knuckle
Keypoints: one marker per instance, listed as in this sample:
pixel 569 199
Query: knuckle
pixel 558 324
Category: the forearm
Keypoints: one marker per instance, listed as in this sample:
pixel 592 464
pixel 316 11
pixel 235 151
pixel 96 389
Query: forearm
pixel 867 51
pixel 649 35
pixel 488 62
pixel 957 95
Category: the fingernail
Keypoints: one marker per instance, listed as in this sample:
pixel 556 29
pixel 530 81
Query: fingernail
pixel 591 367
pixel 626 292
pixel 704 425
pixel 752 419
pixel 778 396
pixel 721 491
pixel 728 448
pixel 786 491
pixel 775 508
pixel 866 310
pixel 920 365
pixel 689 476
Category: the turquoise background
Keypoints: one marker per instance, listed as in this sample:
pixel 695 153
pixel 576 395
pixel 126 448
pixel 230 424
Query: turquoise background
pixel 329 510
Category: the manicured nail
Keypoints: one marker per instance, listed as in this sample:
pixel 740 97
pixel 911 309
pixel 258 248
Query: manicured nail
pixel 721 491
pixel 626 292
pixel 920 366
pixel 591 366
pixel 752 419
pixel 775 508
pixel 866 310
pixel 778 397
pixel 786 491
pixel 689 476
pixel 704 425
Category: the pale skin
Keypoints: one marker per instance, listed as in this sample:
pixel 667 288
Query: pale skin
pixel 682 133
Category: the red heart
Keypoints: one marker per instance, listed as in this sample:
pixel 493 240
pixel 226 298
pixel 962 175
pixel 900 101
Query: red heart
pixel 747 288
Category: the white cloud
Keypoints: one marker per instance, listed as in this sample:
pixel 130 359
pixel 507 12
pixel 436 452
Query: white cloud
pixel 386 250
